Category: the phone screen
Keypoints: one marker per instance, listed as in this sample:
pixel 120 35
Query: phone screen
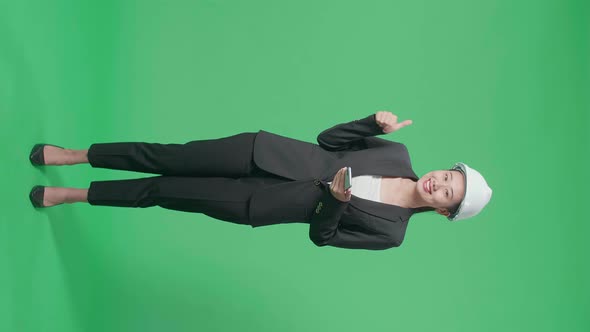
pixel 348 178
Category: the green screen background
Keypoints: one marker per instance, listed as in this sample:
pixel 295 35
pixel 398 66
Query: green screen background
pixel 500 85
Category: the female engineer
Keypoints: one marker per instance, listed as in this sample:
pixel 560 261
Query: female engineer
pixel 261 178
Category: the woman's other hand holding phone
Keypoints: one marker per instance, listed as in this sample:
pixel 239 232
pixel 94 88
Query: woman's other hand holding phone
pixel 337 187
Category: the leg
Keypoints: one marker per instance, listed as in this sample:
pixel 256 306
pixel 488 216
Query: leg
pixel 224 157
pixel 58 156
pixel 220 198
pixel 58 195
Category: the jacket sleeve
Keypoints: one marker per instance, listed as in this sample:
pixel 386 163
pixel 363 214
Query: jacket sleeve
pixel 325 228
pixel 354 135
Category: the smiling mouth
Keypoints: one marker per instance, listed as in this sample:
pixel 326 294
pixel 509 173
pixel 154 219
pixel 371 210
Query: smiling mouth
pixel 428 186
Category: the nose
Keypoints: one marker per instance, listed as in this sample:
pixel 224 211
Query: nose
pixel 436 186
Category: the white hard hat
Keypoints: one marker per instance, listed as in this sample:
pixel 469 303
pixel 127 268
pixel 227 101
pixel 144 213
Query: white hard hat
pixel 477 193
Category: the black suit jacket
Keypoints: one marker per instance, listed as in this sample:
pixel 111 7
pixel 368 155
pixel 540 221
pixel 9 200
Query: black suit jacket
pixel 356 224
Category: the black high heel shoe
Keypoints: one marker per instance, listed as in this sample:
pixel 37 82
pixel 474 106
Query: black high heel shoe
pixel 36 156
pixel 36 196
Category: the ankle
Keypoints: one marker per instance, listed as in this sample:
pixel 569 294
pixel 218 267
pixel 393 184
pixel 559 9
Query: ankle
pixel 74 195
pixel 77 157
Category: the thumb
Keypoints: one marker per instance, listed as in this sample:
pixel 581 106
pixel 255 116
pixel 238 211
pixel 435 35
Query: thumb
pixel 404 123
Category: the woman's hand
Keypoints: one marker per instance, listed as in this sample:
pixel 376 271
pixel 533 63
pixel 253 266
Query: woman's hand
pixel 388 121
pixel 337 187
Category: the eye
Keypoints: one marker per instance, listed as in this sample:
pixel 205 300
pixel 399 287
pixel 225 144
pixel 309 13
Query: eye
pixel 446 177
pixel 447 193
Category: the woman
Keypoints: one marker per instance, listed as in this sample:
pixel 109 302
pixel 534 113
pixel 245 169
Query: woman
pixel 263 178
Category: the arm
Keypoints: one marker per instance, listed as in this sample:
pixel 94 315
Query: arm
pixel 325 228
pixel 353 135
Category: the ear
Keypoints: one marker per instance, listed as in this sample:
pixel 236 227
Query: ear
pixel 443 211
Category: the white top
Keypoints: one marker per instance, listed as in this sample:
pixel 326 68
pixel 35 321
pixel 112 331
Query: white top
pixel 367 187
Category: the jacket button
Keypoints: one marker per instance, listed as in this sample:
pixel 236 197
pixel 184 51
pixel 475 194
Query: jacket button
pixel 316 182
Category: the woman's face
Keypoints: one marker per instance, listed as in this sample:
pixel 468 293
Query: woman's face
pixel 442 189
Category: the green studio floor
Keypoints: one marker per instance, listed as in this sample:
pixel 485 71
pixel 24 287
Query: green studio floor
pixel 500 85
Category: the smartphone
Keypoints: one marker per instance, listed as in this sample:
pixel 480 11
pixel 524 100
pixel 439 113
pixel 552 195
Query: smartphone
pixel 348 178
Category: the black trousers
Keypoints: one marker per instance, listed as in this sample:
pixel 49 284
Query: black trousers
pixel 215 177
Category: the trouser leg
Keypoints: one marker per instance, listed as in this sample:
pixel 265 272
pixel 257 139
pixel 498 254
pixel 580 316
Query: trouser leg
pixel 226 157
pixel 220 198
